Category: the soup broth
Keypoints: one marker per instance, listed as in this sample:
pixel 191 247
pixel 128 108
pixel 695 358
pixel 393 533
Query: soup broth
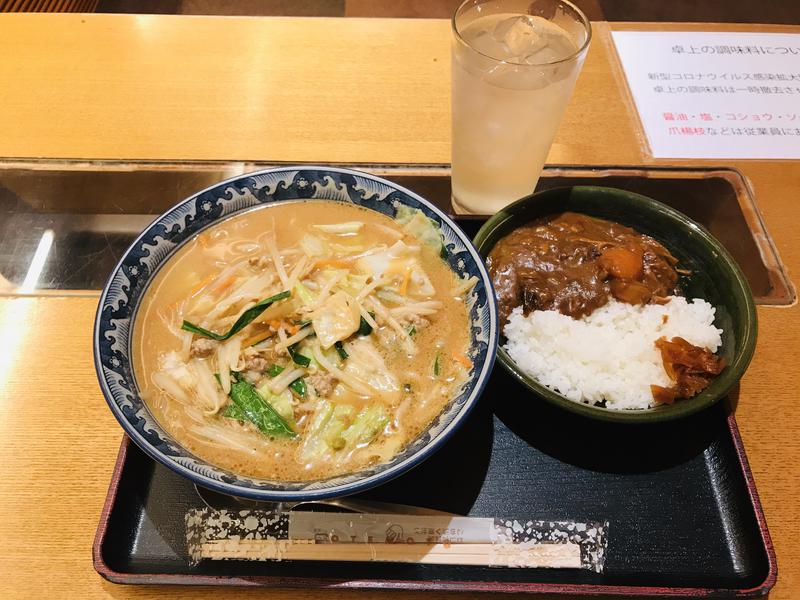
pixel 303 340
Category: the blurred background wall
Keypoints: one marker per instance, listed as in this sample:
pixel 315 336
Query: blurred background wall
pixel 723 11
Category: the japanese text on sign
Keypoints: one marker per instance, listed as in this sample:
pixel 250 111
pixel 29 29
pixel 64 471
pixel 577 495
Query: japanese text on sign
pixel 715 95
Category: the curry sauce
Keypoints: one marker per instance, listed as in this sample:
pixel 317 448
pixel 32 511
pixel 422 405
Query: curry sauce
pixel 574 263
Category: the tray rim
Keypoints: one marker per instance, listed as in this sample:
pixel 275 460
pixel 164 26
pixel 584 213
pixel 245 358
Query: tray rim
pixel 763 588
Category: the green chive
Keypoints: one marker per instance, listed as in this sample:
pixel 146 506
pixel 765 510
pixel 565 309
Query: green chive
pixel 365 328
pixel 234 412
pixel 243 321
pixel 258 411
pixel 298 385
pixel 298 358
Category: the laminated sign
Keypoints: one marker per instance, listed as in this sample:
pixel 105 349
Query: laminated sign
pixel 715 95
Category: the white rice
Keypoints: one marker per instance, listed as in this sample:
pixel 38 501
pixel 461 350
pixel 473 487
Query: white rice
pixel 609 355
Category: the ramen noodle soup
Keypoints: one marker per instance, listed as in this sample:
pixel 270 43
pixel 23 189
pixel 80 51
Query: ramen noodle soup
pixel 304 340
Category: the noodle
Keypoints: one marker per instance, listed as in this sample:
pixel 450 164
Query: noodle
pixel 283 362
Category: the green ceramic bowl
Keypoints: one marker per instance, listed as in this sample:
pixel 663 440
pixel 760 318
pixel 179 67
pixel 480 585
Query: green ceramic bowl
pixel 715 277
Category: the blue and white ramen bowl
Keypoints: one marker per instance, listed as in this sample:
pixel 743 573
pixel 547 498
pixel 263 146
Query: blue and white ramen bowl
pixel 161 240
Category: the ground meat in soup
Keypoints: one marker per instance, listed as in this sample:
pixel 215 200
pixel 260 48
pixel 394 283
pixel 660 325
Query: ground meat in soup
pixel 202 348
pixel 323 383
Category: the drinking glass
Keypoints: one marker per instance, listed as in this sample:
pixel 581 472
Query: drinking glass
pixel 514 65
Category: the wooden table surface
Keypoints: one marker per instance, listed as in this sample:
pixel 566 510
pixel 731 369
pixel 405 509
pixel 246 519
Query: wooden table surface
pixel 355 90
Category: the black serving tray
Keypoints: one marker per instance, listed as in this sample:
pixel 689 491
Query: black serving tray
pixel 684 516
pixel 683 512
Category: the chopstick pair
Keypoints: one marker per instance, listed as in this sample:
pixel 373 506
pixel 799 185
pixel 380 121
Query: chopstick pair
pixel 449 540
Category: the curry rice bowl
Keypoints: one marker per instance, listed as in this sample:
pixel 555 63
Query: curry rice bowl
pixel 610 355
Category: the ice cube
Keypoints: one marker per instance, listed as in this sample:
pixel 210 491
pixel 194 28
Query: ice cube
pixel 483 42
pixel 533 40
pixel 520 35
pixel 544 55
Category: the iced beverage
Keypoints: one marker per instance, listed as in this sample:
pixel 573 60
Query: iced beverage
pixel 514 67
